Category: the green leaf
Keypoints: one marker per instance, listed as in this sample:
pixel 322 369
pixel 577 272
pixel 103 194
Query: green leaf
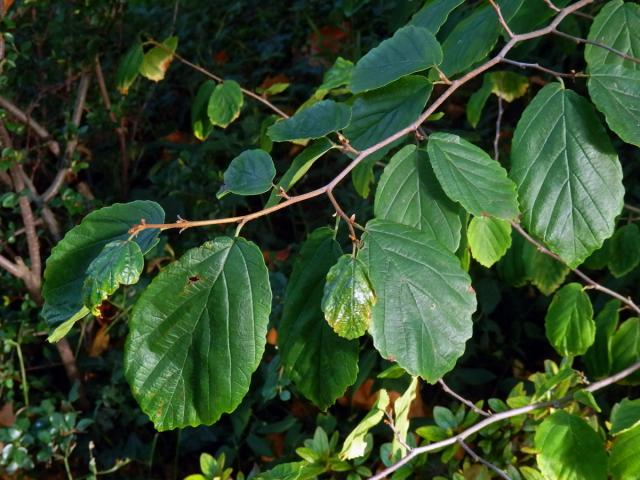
pixel 410 50
pixel 377 115
pixel 200 123
pixel 422 318
pixel 348 298
pixel 624 250
pixel 508 85
pixel 129 68
pixel 225 103
pixel 157 60
pixel 617 25
pixel 469 176
pixel 625 416
pixel 289 471
pixel 66 268
pixel 250 173
pixel 624 463
pixel 339 75
pixel 197 334
pixel 355 444
pixel 65 327
pixel 444 418
pixel 568 174
pixel 434 13
pixel 320 363
pixel 585 397
pixel 119 263
pixel 315 121
pixel 274 89
pixel 489 239
pixel 478 100
pixel 544 272
pixel 409 193
pixel 569 449
pixel 615 91
pixel 569 321
pixel 401 409
pixel 299 167
pixel 599 358
pixel 625 348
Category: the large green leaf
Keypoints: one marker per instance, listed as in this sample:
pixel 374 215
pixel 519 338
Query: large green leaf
pixel 409 193
pixel 377 115
pixel 599 357
pixel 200 123
pixel 320 363
pixel 299 167
pixel 348 298
pixel 250 173
pixel 617 25
pixel 410 50
pixel 569 321
pixel 66 268
pixel 624 250
pixel 129 67
pixel 625 416
pixel 119 263
pixel 569 449
pixel 469 176
pixel 225 103
pixel 625 348
pixel 434 13
pixel 422 317
pixel 624 463
pixel 615 90
pixel 489 239
pixel 355 445
pixel 157 60
pixel 197 334
pixel 315 121
pixel 568 174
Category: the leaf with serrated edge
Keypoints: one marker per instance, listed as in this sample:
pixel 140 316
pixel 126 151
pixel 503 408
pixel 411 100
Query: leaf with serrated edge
pixel 489 239
pixel 569 321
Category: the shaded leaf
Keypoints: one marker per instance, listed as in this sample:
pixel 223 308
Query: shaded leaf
pixel 599 358
pixel 200 123
pixel 569 321
pixel 250 173
pixel 624 250
pixel 129 68
pixel 315 121
pixel 625 415
pixel 625 348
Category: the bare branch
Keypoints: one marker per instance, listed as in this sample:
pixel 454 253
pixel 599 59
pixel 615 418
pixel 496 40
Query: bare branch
pixel 14 269
pixel 596 44
pixel 631 208
pixel 29 223
pixel 537 66
pixel 501 19
pixel 477 458
pixel 461 399
pixel 551 5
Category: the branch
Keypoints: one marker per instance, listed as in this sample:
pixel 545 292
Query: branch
pixel 477 458
pixel 537 66
pixel 501 19
pixel 605 382
pixel 29 225
pixel 14 269
pixel 596 44
pixel 461 399
pixel 542 249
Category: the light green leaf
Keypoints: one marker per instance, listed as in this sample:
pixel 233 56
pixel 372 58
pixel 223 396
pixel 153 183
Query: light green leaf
pixel 409 193
pixel 508 85
pixel 569 449
pixel 355 444
pixel 315 121
pixel 66 267
pixel 422 318
pixel 410 50
pixel 617 25
pixel 615 91
pixel 225 103
pixel 625 416
pixel 569 321
pixel 624 463
pixel 599 358
pixel 65 327
pixel 289 471
pixel 250 173
pixel 469 176
pixel 274 89
pixel 299 167
pixel 119 263
pixel 489 239
pixel 129 68
pixel 348 298
pixel 585 397
pixel 200 123
pixel 401 409
pixel 625 348
pixel 377 115
pixel 434 13
pixel 197 334
pixel 568 174
pixel 157 60
pixel 320 363
pixel 624 250
pixel 339 75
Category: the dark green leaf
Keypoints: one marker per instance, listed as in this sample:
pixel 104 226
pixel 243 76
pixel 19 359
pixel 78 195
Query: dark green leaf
pixel 625 348
pixel 157 60
pixel 489 239
pixel 544 272
pixel 422 318
pixel 568 175
pixel 478 100
pixel 66 268
pixel 599 358
pixel 200 123
pixel 624 463
pixel 250 173
pixel 315 121
pixel 434 13
pixel 624 250
pixel 409 193
pixel 625 416
pixel 320 363
pixel 225 103
pixel 197 334
pixel 129 68
pixel 569 321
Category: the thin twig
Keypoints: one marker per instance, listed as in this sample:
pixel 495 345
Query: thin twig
pixel 551 5
pixel 537 66
pixel 389 421
pixel 496 140
pixel 631 208
pixel 595 285
pixel 478 459
pixel 461 399
pixel 501 18
pixel 620 53
pixel 498 417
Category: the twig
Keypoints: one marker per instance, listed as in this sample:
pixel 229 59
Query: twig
pixel 595 285
pixel 596 44
pixel 389 421
pixel 537 66
pixel 461 399
pixel 496 140
pixel 498 417
pixel 551 5
pixel 501 19
pixel 477 458
pixel 631 208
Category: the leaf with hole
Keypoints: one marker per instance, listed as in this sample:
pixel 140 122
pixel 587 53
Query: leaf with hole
pixel 569 321
pixel 315 121
pixel 250 173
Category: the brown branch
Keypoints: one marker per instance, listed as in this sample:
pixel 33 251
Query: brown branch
pixel 15 269
pixel 501 18
pixel 551 5
pixel 595 285
pixel 631 208
pixel 498 417
pixel 478 459
pixel 579 40
pixel 537 66
pixel 29 224
pixel 461 399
